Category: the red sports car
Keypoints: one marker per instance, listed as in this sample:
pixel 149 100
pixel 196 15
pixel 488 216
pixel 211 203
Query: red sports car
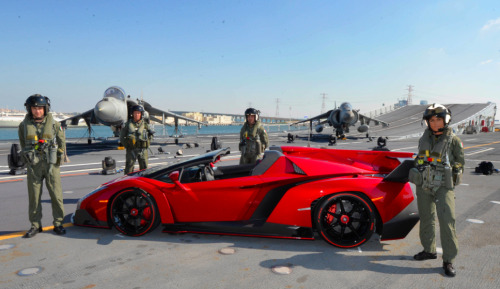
pixel 344 195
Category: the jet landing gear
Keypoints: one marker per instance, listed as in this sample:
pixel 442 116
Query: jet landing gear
pixel 89 127
pixel 340 134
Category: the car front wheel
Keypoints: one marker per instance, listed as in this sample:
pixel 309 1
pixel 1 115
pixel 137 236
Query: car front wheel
pixel 345 220
pixel 134 212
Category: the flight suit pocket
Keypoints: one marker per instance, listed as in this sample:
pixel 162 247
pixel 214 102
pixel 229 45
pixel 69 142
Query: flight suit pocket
pixel 457 177
pixel 415 176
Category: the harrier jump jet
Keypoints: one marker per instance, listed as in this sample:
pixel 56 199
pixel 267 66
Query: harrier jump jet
pixel 341 119
pixel 114 110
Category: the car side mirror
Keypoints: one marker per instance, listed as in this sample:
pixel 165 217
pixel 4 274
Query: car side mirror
pixel 174 177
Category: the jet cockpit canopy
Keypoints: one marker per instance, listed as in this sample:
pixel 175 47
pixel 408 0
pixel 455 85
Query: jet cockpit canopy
pixel 115 92
pixel 345 106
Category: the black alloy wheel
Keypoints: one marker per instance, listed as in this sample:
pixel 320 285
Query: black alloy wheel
pixel 345 220
pixel 134 212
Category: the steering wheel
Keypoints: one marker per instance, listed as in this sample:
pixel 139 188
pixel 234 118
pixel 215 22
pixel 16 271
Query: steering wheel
pixel 208 173
pixel 199 175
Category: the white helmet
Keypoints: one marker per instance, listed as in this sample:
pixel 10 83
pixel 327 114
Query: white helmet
pixel 438 110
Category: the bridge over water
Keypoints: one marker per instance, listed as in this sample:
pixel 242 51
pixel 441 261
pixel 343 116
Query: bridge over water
pixel 240 118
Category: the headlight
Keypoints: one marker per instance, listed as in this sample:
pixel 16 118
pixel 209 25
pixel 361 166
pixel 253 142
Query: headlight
pixel 99 188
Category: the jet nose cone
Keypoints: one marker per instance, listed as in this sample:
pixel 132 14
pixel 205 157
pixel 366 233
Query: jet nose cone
pixel 347 116
pixel 104 109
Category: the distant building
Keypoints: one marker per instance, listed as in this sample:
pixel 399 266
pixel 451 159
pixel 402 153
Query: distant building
pixel 198 116
pixel 219 120
pixel 401 103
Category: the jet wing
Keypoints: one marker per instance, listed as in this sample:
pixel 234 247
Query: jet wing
pixel 88 116
pixel 318 117
pixel 154 118
pixel 363 119
pixel 158 112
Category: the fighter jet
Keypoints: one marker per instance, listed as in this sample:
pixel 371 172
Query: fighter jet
pixel 341 119
pixel 114 109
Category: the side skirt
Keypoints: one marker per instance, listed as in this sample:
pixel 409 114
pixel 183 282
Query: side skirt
pixel 267 230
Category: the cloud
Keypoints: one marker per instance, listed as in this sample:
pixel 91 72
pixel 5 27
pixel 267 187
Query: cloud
pixel 486 61
pixel 492 24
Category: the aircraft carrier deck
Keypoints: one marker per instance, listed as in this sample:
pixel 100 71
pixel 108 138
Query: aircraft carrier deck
pixel 100 258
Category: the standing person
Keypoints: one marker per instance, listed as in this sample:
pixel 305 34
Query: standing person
pixel 438 170
pixel 136 137
pixel 253 138
pixel 43 143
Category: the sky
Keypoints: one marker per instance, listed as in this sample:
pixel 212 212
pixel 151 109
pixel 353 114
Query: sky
pixel 285 58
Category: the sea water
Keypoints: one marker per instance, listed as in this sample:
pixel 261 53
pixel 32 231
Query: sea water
pixel 101 131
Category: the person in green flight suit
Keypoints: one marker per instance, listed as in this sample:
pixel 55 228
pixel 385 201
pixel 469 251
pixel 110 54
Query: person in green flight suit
pixel 136 137
pixel 253 138
pixel 42 143
pixel 438 169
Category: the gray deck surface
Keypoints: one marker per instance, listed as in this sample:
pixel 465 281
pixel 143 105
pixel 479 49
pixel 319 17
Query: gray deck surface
pixel 100 258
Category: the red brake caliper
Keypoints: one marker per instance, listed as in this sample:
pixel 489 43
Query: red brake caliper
pixel 332 209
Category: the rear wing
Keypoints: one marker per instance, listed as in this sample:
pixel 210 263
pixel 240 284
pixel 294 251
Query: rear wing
pixel 400 174
pixel 382 162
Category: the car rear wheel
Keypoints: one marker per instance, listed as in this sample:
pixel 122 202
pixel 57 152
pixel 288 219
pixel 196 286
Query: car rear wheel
pixel 345 220
pixel 134 212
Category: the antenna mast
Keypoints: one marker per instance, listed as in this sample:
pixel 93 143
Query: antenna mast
pixel 323 96
pixel 410 90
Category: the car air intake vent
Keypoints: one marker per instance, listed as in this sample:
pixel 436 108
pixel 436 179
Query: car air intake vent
pixel 298 170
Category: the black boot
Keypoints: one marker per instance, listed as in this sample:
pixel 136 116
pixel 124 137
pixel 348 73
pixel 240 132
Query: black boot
pixel 32 232
pixel 59 230
pixel 425 256
pixel 449 270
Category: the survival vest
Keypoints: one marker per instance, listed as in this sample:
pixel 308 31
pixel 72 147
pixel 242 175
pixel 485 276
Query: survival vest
pixel 138 135
pixel 42 144
pixel 251 143
pixel 433 161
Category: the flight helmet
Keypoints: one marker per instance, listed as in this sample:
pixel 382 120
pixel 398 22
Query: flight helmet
pixel 37 100
pixel 438 110
pixel 138 108
pixel 252 111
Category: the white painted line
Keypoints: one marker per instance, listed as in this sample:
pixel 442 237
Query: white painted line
pixel 74 171
pixel 479 151
pixel 471 160
pixel 413 147
pixel 496 202
pixel 475 221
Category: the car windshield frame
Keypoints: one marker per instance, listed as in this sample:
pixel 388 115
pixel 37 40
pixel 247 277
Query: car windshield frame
pixel 206 158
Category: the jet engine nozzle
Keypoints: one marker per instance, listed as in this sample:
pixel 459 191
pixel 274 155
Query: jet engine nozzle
pixel 351 117
pixel 319 128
